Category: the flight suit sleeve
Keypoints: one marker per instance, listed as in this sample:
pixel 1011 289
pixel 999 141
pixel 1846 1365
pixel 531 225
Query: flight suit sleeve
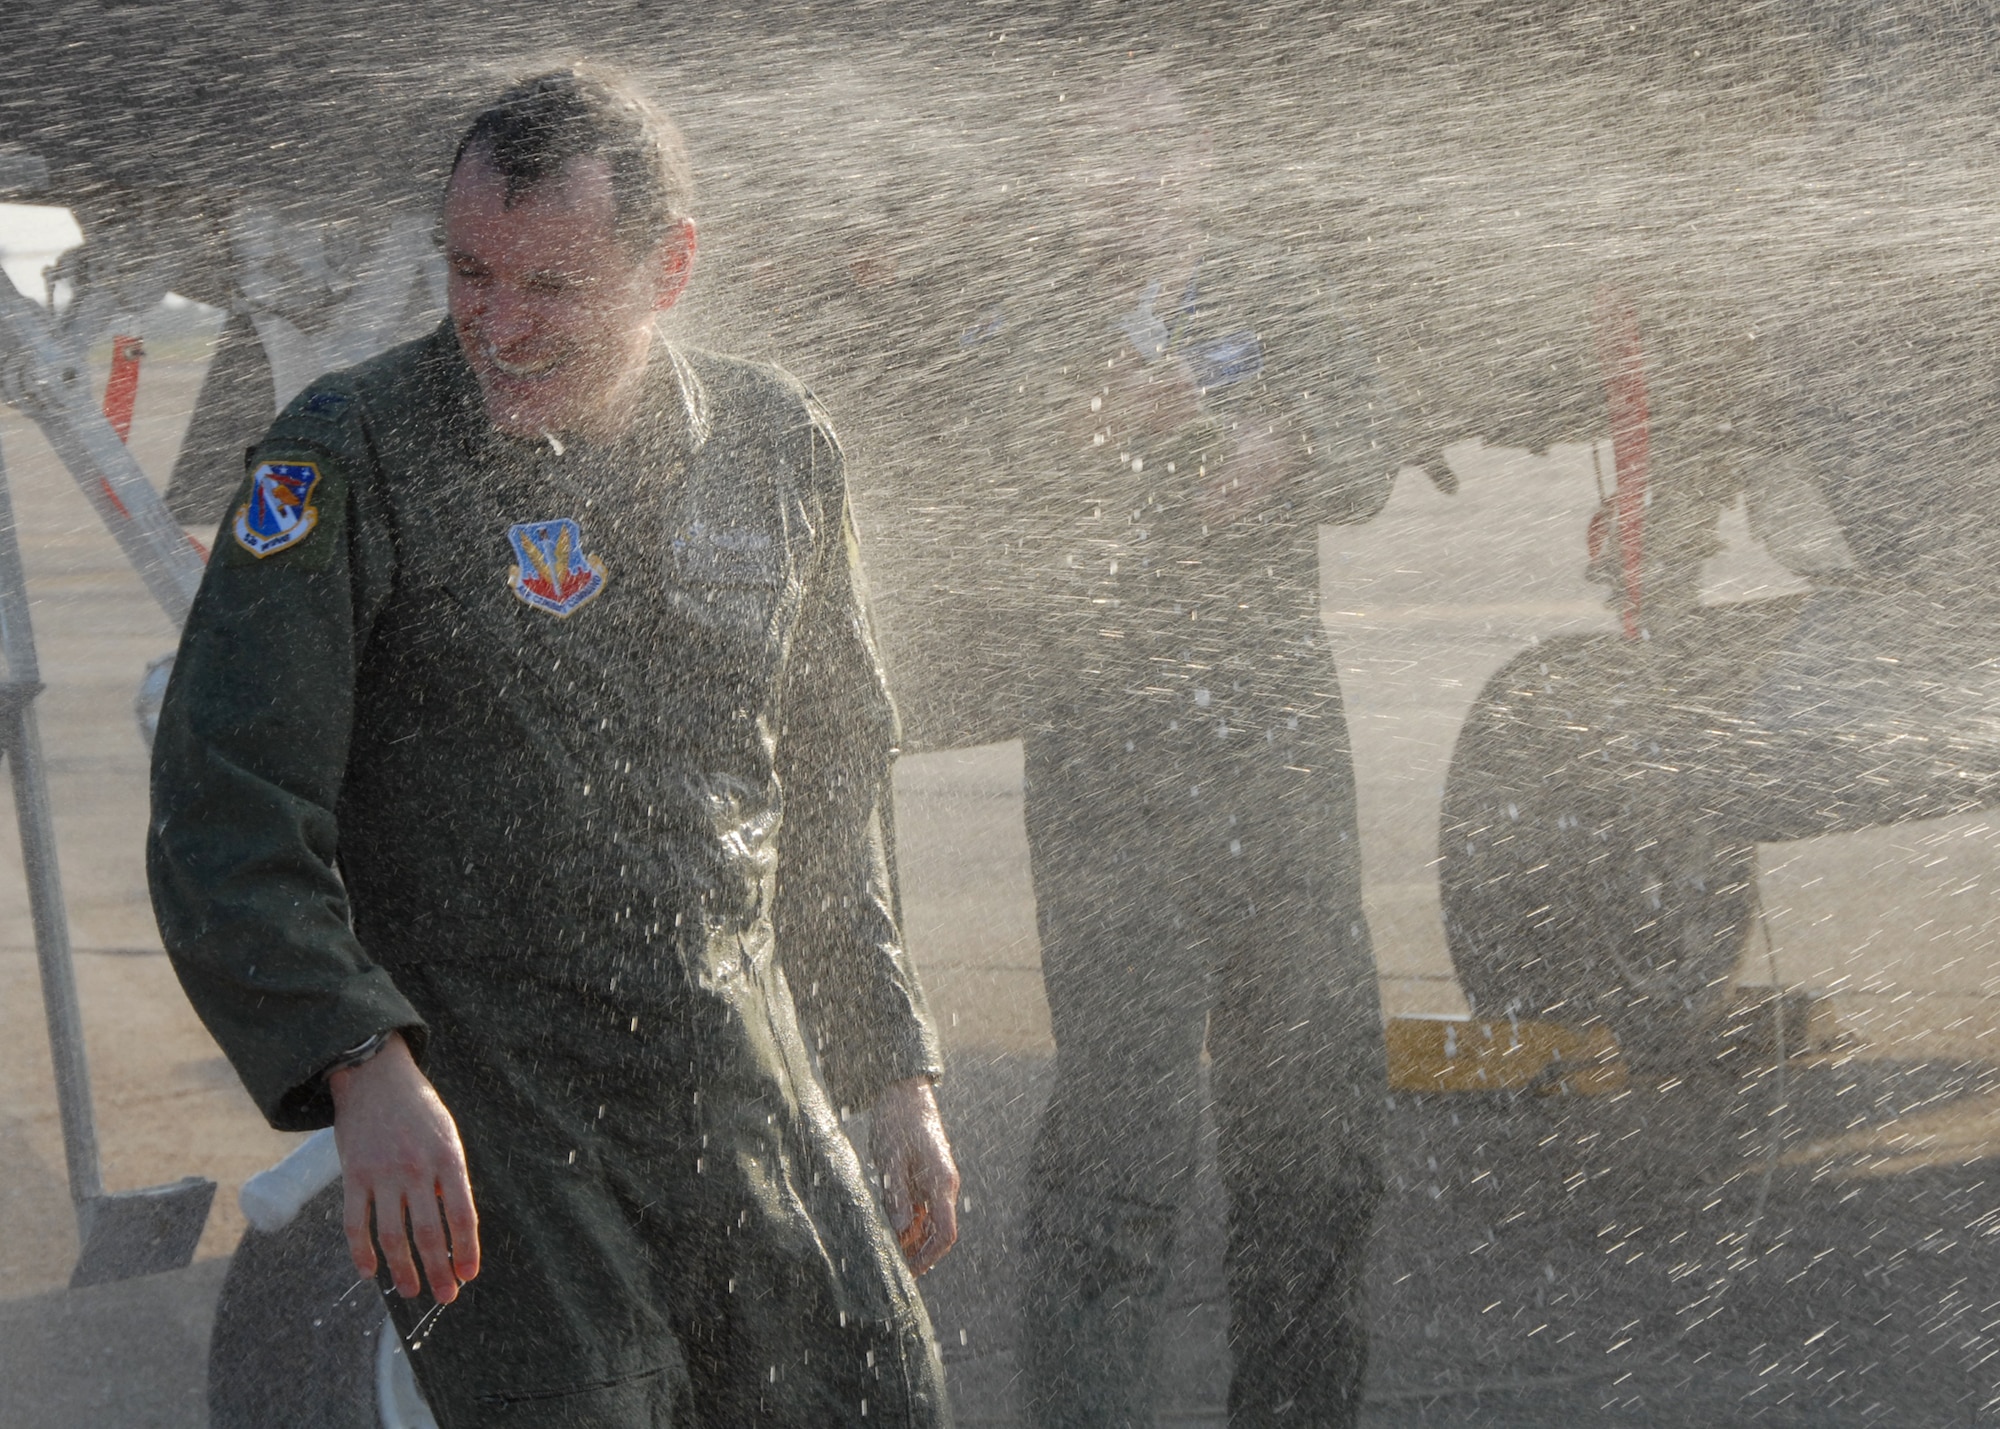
pixel 242 851
pixel 835 914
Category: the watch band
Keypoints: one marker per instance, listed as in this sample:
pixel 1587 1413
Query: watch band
pixel 357 1054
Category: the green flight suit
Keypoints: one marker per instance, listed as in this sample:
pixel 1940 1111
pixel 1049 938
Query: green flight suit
pixel 542 755
pixel 1192 832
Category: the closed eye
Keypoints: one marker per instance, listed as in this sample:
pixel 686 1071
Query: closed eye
pixel 552 285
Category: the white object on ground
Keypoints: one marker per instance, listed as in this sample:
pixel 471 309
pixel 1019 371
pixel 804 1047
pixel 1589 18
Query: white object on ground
pixel 152 696
pixel 273 1197
pixel 397 1399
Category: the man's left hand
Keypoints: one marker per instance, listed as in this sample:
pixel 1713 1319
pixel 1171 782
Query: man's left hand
pixel 919 1179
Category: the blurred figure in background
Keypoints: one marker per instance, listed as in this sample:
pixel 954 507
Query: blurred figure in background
pixel 1198 409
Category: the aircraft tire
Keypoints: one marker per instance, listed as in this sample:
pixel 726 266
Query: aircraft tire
pixel 1576 886
pixel 295 1338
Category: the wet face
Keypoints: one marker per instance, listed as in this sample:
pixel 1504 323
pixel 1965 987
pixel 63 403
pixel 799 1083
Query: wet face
pixel 553 308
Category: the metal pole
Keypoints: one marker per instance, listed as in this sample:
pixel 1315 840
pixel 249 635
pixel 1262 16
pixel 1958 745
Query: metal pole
pixel 48 379
pixel 22 745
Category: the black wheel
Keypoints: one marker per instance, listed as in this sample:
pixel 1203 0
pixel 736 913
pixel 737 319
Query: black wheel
pixel 1582 879
pixel 295 1335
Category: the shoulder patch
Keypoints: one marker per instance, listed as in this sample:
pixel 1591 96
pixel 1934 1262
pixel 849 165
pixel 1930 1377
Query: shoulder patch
pixel 280 512
pixel 1227 360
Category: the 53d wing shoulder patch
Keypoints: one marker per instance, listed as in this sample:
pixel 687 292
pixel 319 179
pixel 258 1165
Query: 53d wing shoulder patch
pixel 281 511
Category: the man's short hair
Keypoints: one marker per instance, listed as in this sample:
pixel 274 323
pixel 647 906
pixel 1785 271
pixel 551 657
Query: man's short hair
pixel 528 133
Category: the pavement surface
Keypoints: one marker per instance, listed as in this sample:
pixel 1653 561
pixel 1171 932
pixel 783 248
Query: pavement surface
pixel 1805 1246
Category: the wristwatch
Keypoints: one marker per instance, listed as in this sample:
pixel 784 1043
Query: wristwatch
pixel 357 1054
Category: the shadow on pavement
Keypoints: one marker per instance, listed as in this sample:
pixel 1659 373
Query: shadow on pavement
pixel 1686 1253
pixel 132 1355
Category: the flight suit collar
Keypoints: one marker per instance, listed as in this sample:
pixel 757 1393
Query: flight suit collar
pixel 674 397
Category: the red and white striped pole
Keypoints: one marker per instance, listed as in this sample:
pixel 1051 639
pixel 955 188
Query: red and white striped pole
pixel 121 393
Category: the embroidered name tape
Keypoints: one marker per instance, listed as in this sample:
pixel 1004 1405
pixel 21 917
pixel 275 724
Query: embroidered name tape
pixel 551 570
pixel 280 512
pixel 736 540
pixel 726 555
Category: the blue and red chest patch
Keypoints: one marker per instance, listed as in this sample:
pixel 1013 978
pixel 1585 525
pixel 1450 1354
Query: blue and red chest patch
pixel 280 512
pixel 551 569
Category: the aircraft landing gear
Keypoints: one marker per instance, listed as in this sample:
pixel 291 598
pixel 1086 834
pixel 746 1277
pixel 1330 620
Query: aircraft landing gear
pixel 1582 879
pixel 299 1339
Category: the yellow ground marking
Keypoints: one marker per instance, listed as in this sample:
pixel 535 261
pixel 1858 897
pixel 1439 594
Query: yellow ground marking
pixel 1449 1053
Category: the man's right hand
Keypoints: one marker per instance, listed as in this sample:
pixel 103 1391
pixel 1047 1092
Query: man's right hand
pixel 400 1159
pixel 1134 406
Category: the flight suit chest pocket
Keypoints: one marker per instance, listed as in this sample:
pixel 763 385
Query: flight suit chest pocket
pixel 730 574
pixel 745 552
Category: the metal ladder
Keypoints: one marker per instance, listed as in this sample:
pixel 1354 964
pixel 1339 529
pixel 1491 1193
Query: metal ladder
pixel 43 373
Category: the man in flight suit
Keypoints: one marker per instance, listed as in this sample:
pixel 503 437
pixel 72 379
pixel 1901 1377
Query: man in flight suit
pixel 518 809
pixel 1190 795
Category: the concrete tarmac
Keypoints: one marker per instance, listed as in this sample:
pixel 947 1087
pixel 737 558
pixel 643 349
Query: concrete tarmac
pixel 1804 1247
